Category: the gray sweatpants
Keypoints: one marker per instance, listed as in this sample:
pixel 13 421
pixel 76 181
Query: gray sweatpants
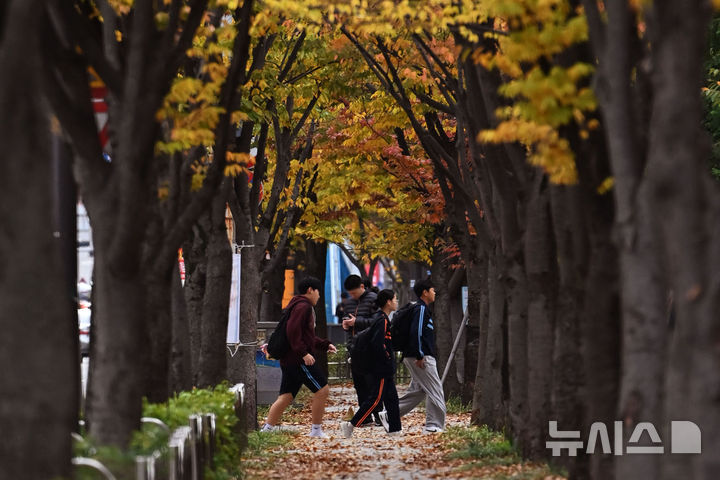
pixel 425 385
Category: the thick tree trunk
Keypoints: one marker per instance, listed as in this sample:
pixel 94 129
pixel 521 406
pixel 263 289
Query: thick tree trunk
pixel 492 391
pixel 212 367
pixel 601 341
pixel 476 337
pixel 115 381
pixel 194 292
pixel 158 322
pixel 542 291
pixel 569 232
pixel 242 367
pixel 686 205
pixel 39 342
pixel 517 309
pixel 644 336
pixel 443 321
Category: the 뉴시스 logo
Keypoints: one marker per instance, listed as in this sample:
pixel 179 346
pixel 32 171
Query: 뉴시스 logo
pixel 685 437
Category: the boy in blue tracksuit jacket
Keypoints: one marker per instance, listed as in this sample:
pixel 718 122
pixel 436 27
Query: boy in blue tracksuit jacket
pixel 419 358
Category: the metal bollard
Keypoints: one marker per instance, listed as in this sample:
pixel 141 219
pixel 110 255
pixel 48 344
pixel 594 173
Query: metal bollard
pixel 209 439
pixel 180 459
pixel 95 465
pixel 145 467
pixel 239 390
pixel 196 429
pixel 156 421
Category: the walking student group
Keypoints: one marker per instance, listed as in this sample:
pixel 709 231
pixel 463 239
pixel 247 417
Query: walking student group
pixel 366 318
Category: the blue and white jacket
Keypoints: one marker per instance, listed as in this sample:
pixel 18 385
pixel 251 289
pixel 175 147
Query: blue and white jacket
pixel 422 333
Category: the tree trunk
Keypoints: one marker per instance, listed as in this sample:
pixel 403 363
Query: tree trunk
pixel 39 341
pixel 569 233
pixel 212 367
pixel 601 342
pixel 517 310
pixel 158 322
pixel 115 379
pixel 242 367
pixel 180 361
pixel 476 337
pixel 194 291
pixel 441 316
pixel 542 291
pixel 457 376
pixel 273 292
pixel 685 204
pixel 492 390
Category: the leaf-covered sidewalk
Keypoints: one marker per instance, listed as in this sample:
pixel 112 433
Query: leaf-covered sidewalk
pixel 461 452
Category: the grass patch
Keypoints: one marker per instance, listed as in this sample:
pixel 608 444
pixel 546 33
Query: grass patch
pixel 261 444
pixel 481 444
pixel 485 449
pixel 456 406
pixel 262 450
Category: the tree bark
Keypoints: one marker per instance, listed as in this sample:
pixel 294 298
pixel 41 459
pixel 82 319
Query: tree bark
pixel 569 232
pixel 242 367
pixel 493 392
pixel 443 321
pixel 39 343
pixel 194 291
pixel 180 361
pixel 212 367
pixel 476 338
pixel 115 381
pixel 542 291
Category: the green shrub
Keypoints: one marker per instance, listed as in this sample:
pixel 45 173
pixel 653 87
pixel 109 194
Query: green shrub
pixel 219 401
pixel 174 413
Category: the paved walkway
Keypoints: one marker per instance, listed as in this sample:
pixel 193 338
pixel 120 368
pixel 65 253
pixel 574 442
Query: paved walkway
pixel 370 454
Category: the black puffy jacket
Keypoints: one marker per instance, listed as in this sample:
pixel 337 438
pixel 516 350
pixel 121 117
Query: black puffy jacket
pixel 363 308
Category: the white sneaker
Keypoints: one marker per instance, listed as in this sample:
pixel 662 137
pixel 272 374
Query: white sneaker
pixel 269 428
pixel 383 419
pixel 395 434
pixel 430 430
pixel 318 434
pixel 347 429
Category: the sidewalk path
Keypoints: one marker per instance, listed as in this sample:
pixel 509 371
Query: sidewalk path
pixel 369 455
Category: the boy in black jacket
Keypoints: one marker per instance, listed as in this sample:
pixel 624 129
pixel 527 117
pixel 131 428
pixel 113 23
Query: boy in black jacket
pixel 379 369
pixel 358 316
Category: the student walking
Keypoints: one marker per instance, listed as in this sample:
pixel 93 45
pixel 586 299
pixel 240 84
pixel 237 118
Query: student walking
pixel 358 313
pixel 419 358
pixel 298 364
pixel 379 368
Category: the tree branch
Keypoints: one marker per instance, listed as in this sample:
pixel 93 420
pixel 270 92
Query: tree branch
pixel 292 57
pixel 258 174
pixel 304 117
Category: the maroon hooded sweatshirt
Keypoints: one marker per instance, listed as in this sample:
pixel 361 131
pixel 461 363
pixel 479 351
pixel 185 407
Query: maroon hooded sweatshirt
pixel 301 332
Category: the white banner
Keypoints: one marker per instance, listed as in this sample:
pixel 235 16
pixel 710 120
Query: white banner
pixel 233 329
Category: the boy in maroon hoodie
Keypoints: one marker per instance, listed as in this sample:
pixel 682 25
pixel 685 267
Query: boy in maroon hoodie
pixel 298 364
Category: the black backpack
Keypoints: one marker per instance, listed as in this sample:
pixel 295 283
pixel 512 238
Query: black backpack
pixel 278 344
pixel 400 327
pixel 366 346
